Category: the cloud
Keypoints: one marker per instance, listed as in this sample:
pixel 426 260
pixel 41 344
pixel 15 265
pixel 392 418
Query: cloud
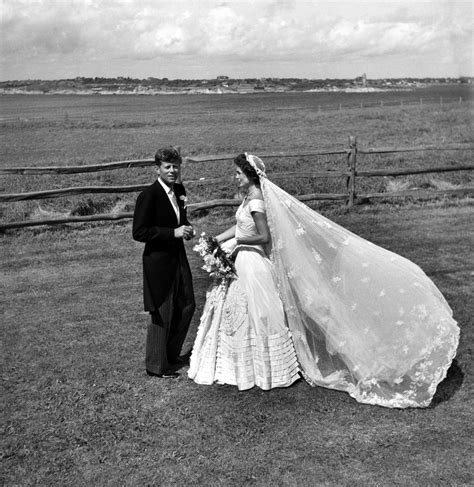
pixel 209 32
pixel 377 39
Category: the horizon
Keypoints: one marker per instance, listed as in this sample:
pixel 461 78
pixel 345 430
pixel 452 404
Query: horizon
pixel 182 39
pixel 233 79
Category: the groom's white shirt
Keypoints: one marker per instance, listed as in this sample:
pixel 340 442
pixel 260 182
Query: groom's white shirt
pixel 171 196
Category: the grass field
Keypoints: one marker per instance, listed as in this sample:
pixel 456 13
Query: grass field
pixel 78 407
pixel 80 410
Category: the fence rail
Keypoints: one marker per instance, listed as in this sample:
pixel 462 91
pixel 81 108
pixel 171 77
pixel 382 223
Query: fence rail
pixel 108 166
pixel 233 203
pixel 77 190
pixel 350 197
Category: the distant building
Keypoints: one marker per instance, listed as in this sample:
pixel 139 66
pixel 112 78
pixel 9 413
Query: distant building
pixel 361 80
pixel 222 78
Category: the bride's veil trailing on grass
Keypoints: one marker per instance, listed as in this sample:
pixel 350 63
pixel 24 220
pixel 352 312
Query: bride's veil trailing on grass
pixel 363 319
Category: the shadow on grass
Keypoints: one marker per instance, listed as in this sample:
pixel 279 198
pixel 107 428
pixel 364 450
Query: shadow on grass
pixel 449 386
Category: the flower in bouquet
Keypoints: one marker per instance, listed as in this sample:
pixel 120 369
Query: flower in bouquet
pixel 217 262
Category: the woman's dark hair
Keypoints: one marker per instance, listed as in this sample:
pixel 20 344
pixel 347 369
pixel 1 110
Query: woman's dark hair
pixel 247 168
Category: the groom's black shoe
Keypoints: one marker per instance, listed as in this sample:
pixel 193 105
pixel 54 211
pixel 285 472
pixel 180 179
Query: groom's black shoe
pixel 164 375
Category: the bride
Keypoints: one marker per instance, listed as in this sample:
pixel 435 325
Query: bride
pixel 314 299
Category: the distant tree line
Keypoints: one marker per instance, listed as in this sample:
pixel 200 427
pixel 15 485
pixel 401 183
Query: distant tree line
pixel 151 82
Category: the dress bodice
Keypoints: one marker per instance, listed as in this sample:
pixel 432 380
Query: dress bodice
pixel 245 223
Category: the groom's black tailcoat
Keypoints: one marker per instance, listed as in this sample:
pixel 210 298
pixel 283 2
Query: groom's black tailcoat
pixel 167 284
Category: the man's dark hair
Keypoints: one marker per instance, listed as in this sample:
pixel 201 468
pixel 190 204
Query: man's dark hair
pixel 167 154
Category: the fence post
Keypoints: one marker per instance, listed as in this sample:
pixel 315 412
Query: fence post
pixel 351 163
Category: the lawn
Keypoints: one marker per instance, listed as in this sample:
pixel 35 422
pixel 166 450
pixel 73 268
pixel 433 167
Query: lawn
pixel 79 409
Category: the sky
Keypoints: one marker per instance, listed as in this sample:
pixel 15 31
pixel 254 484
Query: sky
pixel 203 39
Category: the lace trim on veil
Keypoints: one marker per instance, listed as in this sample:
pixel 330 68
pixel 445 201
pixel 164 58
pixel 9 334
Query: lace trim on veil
pixel 363 319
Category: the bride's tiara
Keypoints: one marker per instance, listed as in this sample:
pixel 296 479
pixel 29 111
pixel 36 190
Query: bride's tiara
pixel 256 163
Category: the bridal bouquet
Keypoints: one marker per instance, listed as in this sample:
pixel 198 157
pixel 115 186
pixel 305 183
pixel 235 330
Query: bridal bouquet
pixel 217 261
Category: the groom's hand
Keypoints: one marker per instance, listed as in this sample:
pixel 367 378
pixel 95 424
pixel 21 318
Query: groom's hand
pixel 189 233
pixel 184 231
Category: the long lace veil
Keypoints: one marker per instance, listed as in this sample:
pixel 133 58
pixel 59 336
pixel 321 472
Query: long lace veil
pixel 364 320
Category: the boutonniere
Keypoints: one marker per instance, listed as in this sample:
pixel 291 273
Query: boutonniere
pixel 185 200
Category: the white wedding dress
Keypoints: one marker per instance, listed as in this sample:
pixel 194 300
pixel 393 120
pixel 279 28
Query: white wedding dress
pixel 361 319
pixel 243 338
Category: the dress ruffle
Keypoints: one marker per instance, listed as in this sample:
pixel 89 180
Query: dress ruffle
pixel 265 362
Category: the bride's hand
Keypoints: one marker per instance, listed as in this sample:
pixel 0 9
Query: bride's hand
pixel 229 245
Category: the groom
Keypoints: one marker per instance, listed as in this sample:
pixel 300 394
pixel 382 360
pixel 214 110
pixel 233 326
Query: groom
pixel 160 221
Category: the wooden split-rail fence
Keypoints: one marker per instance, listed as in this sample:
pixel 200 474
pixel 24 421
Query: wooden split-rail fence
pixel 350 197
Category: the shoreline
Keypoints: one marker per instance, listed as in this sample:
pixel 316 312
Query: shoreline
pixel 197 91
